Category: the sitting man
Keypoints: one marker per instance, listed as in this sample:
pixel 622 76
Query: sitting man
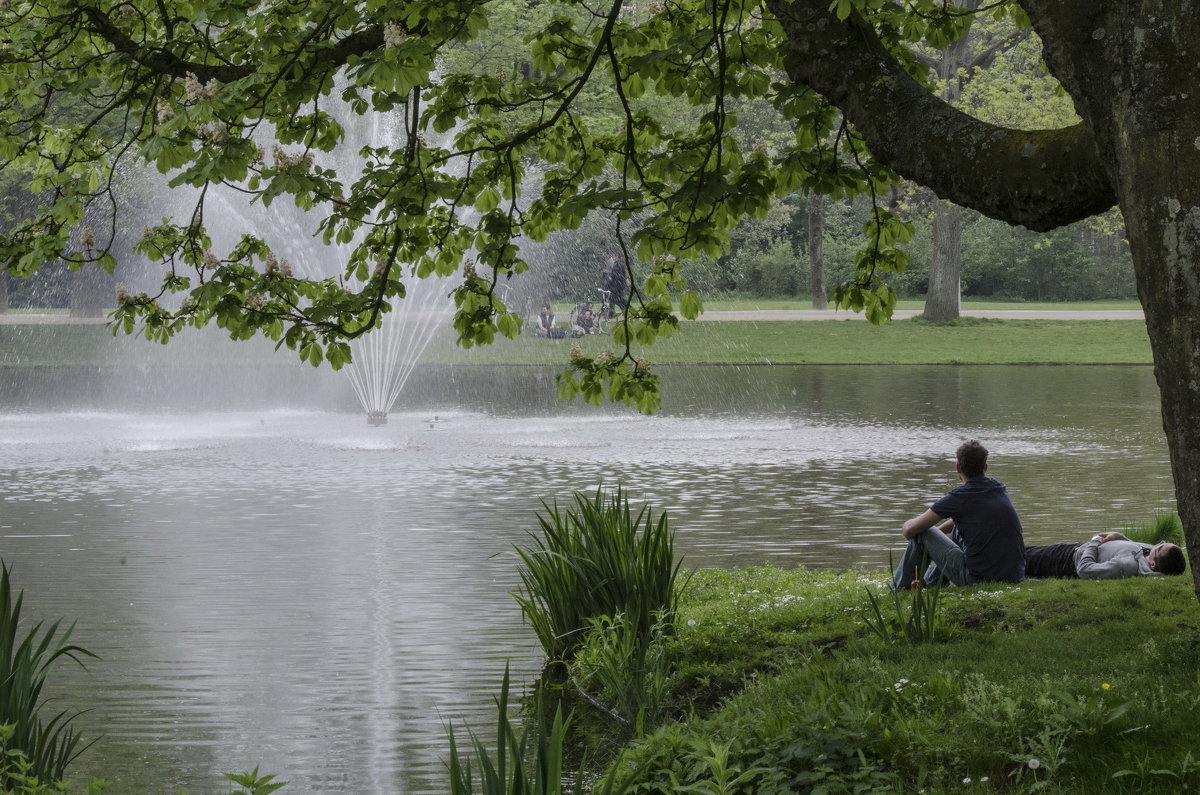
pixel 585 324
pixel 1107 556
pixel 986 545
pixel 545 322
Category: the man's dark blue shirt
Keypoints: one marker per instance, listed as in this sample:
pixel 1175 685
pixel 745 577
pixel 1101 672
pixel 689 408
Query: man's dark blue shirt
pixel 989 529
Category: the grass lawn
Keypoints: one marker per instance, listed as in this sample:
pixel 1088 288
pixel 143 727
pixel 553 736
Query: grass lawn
pixel 968 340
pixel 850 342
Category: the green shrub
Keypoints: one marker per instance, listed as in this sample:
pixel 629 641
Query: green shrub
pixel 596 560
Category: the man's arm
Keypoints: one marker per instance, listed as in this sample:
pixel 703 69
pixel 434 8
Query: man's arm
pixel 919 524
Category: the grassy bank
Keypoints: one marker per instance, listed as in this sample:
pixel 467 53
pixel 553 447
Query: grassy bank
pixel 1070 686
pixel 771 682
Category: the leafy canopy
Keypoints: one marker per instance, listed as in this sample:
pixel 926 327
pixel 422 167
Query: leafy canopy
pixel 519 119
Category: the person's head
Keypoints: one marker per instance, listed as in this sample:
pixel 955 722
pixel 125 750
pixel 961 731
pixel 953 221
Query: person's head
pixel 545 307
pixel 587 313
pixel 1166 558
pixel 972 459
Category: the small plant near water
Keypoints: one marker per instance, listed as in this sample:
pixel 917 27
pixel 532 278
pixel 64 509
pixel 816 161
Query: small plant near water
pixel 914 615
pixel 526 761
pixel 46 747
pixel 599 559
pixel 252 783
pixel 623 672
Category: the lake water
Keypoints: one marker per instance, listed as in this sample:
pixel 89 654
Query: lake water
pixel 279 585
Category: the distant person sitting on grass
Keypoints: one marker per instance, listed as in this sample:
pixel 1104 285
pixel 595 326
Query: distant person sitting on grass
pixel 545 322
pixel 585 324
pixel 1107 556
pixel 972 534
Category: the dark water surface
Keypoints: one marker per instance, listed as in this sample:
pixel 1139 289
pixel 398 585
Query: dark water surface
pixel 289 588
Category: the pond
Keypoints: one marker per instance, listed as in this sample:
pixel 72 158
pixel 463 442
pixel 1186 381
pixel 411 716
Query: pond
pixel 288 588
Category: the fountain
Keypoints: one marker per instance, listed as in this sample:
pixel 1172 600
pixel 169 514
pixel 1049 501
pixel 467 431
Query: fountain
pixel 382 359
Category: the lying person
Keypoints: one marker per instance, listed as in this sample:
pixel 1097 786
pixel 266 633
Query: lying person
pixel 1107 556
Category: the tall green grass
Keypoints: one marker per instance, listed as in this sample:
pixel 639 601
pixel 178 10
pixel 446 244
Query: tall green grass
pixel 1164 527
pixel 598 559
pixel 47 745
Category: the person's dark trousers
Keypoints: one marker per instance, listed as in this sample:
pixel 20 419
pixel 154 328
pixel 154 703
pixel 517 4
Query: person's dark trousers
pixel 1052 560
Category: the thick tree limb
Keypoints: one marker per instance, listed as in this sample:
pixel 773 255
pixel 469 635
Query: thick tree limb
pixel 163 61
pixel 1041 179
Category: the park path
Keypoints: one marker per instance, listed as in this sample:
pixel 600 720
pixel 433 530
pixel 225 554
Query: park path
pixel 20 318
pixel 901 314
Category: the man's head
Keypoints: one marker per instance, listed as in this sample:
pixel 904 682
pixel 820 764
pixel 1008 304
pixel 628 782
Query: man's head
pixel 1166 558
pixel 972 459
pixel 545 307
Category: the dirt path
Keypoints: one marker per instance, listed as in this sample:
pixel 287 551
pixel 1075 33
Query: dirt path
pixel 18 318
pixel 900 314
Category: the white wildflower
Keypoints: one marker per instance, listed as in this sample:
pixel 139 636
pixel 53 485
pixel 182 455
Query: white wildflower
pixel 1033 764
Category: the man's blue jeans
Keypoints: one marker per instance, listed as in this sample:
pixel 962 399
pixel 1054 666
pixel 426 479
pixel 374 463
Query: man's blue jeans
pixel 946 558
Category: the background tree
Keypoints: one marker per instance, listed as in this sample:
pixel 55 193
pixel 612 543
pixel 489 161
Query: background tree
pixel 816 251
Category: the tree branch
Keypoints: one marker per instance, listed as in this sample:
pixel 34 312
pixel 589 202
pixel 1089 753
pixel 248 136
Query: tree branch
pixel 166 62
pixel 1041 179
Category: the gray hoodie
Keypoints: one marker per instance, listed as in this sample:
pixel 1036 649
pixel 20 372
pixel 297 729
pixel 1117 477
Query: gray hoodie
pixel 1112 561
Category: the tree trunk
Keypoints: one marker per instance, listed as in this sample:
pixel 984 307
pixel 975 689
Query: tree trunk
pixel 945 268
pixel 1162 215
pixel 3 291
pixel 943 295
pixel 816 250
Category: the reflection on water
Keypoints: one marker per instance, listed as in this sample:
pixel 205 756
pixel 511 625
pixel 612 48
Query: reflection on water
pixel 296 590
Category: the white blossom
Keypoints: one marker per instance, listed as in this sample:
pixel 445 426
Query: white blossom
pixel 393 35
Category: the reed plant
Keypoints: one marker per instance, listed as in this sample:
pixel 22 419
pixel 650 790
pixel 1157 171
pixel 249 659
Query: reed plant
pixel 525 761
pixel 47 746
pixel 597 559
pixel 624 673
pixel 914 619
